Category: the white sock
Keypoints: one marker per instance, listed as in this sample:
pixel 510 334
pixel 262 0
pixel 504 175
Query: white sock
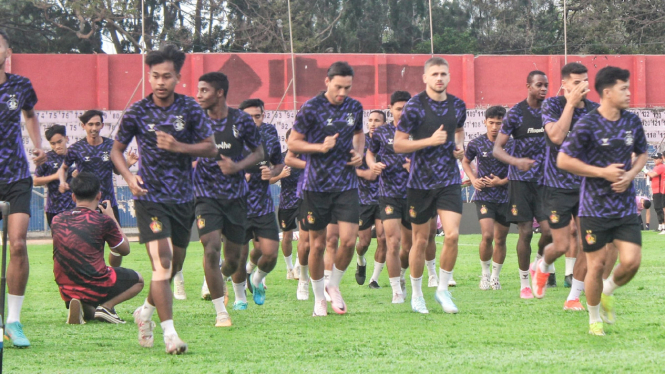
pixel 239 289
pixel 179 277
pixel 14 305
pixel 167 327
pixel 570 265
pixel 335 277
pixel 250 267
pixel 524 279
pixel 609 286
pixel 394 283
pixel 416 287
pixel 576 289
pixel 431 267
pixel 147 311
pixel 444 277
pixel 326 277
pixel 304 273
pixel 361 260
pixel 219 305
pixel 378 268
pixel 594 313
pixel 545 267
pixel 496 270
pixel 318 287
pixel 485 265
pixel 289 262
pixel 258 277
pixel 402 273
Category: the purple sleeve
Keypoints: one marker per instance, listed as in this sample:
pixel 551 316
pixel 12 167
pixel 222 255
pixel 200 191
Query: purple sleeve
pixel 41 170
pixel 275 151
pixel 471 152
pixel 551 111
pixel 409 121
pixel 30 97
pixel 510 122
pixel 128 128
pixel 460 106
pixel 71 156
pixel 375 144
pixel 359 119
pixel 640 146
pixel 577 140
pixel 301 123
pixel 248 131
pixel 201 128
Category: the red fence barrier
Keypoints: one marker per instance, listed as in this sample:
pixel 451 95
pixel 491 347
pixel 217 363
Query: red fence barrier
pixel 77 82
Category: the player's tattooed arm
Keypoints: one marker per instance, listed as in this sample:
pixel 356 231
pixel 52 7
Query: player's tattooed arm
pixel 523 164
pixel 32 126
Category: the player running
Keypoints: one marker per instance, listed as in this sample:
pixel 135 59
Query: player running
pixel 599 149
pixel 170 130
pixel 491 196
pixel 432 130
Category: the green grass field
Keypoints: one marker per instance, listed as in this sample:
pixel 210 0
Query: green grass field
pixel 495 331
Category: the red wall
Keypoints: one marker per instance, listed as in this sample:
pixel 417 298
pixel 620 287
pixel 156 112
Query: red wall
pixel 77 82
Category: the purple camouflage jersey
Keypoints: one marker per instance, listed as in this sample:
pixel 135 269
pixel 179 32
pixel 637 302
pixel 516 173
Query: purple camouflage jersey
pixel 392 180
pixel 532 147
pixel 166 175
pixel 56 202
pixel 432 167
pixel 259 199
pixel 288 198
pixel 328 172
pixel 368 191
pixel 600 142
pixel 551 112
pixel 483 149
pixel 209 181
pixel 16 94
pixel 95 159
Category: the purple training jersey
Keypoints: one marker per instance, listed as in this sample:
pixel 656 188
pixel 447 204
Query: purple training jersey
pixel 599 142
pixel 317 119
pixel 392 180
pixel 368 191
pixel 95 159
pixel 56 202
pixel 166 175
pixel 259 199
pixel 529 141
pixel 482 148
pixel 16 94
pixel 288 198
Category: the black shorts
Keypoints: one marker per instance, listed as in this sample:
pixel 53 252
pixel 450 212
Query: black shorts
pixel 495 211
pixel 368 214
pixel 424 204
pixel 288 218
pixel 230 216
pixel 526 201
pixel 394 208
pixel 561 206
pixel 302 217
pixel 322 208
pixel 125 279
pixel 18 195
pixel 596 232
pixel 164 220
pixel 262 227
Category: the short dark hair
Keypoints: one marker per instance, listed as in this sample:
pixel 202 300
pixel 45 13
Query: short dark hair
pixel 218 80
pixel 341 68
pixel 85 186
pixel 87 116
pixel 496 111
pixel 4 35
pixel 608 77
pixel 529 78
pixel 167 52
pixel 398 96
pixel 435 61
pixel 646 203
pixel 251 103
pixel 573 68
pixel 55 129
pixel 381 112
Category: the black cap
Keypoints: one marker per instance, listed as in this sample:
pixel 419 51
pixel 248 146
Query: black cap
pixel 657 155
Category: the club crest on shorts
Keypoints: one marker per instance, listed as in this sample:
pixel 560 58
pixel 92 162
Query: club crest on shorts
pixel 554 217
pixel 310 218
pixel 514 210
pixel 483 209
pixel 105 156
pixel 155 225
pixel 179 123
pixel 200 222
pixel 12 103
pixel 412 212
pixel 283 224
pixel 590 238
pixel 629 138
pixel 389 210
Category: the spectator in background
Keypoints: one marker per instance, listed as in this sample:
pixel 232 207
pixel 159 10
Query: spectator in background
pixel 643 203
pixel 656 176
pixel 89 288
